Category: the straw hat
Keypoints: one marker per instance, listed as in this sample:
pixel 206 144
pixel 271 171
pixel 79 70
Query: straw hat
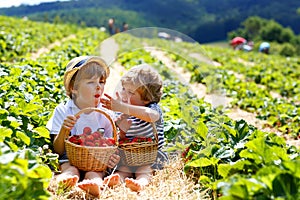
pixel 76 64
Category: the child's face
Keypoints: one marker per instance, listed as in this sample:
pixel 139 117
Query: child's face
pixel 130 95
pixel 89 91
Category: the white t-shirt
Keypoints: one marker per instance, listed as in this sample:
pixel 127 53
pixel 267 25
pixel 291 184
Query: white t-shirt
pixel 94 120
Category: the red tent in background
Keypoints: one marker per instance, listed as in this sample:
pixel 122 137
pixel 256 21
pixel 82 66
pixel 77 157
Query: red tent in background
pixel 237 40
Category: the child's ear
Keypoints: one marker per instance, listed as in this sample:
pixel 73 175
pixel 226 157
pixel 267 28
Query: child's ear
pixel 73 91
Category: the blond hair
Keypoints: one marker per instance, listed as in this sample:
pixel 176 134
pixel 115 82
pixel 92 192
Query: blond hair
pixel 147 81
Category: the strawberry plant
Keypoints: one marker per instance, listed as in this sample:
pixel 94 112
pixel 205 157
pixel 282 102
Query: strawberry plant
pixel 233 159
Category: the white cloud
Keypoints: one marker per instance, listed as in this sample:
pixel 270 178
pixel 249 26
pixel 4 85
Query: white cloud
pixel 9 3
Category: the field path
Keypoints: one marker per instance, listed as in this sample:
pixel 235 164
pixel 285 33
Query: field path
pixel 109 50
pixel 43 50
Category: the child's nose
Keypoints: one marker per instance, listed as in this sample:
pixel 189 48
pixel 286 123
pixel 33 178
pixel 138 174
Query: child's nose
pixel 98 86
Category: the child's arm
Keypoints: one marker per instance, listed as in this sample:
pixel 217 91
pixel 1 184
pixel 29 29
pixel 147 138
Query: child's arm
pixel 141 112
pixel 59 140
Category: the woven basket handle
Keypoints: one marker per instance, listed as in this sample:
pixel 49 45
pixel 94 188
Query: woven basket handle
pixel 90 109
pixel 155 131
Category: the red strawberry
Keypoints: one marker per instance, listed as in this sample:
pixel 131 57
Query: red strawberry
pixel 89 138
pixel 97 143
pixel 96 135
pixel 88 143
pixel 124 140
pixel 87 130
pixel 110 141
pixel 72 139
pixel 80 141
pixel 135 140
pixel 104 144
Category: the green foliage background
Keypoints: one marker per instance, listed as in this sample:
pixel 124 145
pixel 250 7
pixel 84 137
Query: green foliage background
pixel 203 20
pixel 231 159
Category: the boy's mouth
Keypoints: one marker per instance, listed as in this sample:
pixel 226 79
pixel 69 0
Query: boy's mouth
pixel 97 95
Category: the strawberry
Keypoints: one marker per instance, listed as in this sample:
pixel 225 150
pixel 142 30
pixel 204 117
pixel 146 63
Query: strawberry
pixel 97 143
pixel 72 139
pixel 88 143
pixel 87 130
pixel 80 141
pixel 89 138
pixel 104 144
pixel 96 135
pixel 75 139
pixel 124 140
pixel 110 141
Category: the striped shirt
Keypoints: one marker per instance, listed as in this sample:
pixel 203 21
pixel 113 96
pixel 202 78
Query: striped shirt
pixel 141 128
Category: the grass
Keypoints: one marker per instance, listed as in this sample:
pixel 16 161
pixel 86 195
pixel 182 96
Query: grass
pixel 169 183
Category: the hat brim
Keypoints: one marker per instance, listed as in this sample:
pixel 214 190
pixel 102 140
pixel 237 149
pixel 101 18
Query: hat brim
pixel 71 69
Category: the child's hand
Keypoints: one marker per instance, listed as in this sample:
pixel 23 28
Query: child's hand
pixel 123 122
pixel 114 160
pixel 69 122
pixel 111 103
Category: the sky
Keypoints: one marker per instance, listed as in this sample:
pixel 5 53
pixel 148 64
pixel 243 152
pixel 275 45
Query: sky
pixel 9 3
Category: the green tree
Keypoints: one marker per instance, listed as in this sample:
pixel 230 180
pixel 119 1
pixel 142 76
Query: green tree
pixel 287 35
pixel 57 19
pixel 271 32
pixel 287 50
pixel 253 26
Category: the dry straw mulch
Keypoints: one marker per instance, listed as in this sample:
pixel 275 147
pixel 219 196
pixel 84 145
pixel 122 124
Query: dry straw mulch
pixel 169 184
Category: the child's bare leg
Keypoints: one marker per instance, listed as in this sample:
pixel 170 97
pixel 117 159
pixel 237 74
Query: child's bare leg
pixel 69 175
pixel 143 177
pixel 92 183
pixel 117 177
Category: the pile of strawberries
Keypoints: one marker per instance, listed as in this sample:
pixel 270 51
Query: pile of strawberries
pixel 95 139
pixel 135 140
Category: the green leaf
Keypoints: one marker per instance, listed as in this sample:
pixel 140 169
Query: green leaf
pixel 23 137
pixel 293 166
pixel 30 108
pixel 286 186
pixel 5 132
pixel 224 169
pixel 201 162
pixel 202 130
pixel 38 171
pixel 42 132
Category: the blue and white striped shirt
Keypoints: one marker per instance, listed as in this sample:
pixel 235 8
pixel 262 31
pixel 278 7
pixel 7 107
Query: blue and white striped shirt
pixel 141 128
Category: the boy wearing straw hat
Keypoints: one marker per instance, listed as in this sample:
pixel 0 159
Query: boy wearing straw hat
pixel 84 82
pixel 138 103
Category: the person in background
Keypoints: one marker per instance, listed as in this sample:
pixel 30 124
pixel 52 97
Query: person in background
pixel 137 104
pixel 111 26
pixel 264 47
pixel 124 27
pixel 84 82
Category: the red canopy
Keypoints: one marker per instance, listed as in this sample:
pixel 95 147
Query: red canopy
pixel 238 40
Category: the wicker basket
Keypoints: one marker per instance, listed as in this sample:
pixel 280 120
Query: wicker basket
pixel 138 154
pixel 88 158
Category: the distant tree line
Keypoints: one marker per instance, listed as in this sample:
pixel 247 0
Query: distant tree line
pixel 203 20
pixel 284 40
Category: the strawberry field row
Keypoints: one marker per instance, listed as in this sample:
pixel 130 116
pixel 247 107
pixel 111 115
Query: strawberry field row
pixel 232 158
